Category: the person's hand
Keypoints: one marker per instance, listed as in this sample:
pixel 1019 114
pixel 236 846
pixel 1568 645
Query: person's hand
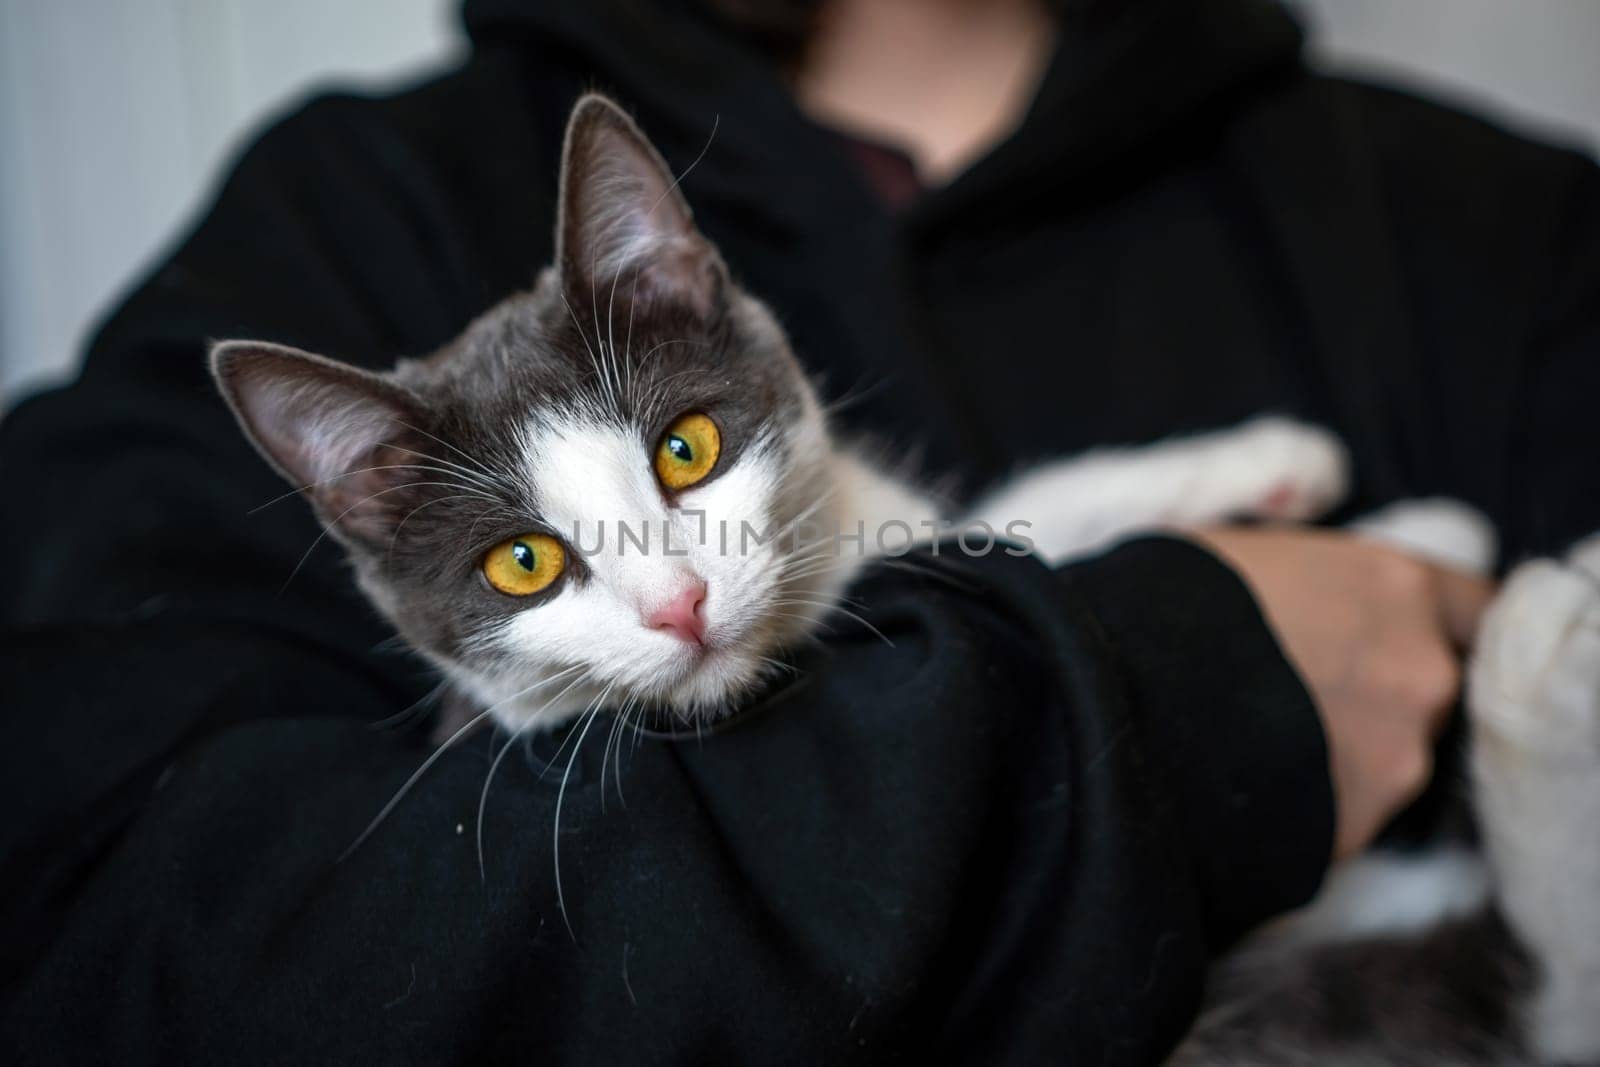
pixel 1377 636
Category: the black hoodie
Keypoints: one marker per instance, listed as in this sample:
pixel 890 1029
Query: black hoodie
pixel 1015 835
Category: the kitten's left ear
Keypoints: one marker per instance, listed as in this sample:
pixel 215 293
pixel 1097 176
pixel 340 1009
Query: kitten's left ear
pixel 623 221
pixel 346 438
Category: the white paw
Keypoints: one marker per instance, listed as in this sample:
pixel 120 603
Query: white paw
pixel 1585 556
pixel 1276 468
pixel 1445 531
pixel 1535 701
pixel 1536 673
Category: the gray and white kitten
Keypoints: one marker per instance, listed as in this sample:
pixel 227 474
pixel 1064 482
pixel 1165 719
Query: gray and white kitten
pixel 620 491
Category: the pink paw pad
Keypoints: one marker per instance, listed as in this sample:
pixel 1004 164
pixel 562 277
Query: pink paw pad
pixel 1281 501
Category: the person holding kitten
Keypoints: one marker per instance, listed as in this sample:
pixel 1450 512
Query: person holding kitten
pixel 999 232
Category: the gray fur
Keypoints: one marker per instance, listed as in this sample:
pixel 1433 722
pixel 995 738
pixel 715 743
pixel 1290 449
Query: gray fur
pixel 416 531
pixel 1446 997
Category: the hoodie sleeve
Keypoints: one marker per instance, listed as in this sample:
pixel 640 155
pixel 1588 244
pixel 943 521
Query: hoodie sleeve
pixel 1557 499
pixel 1010 823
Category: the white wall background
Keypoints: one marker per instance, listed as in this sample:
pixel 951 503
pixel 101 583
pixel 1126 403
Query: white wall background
pixel 1532 64
pixel 116 114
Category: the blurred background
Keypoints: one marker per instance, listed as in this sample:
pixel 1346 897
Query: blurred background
pixel 116 116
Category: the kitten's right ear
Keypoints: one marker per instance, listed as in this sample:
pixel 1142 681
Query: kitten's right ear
pixel 325 425
pixel 623 220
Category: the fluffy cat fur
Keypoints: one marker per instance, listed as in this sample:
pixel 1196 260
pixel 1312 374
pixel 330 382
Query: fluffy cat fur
pixel 543 416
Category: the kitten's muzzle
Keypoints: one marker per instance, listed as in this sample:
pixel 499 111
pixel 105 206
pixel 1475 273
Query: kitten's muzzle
pixel 684 615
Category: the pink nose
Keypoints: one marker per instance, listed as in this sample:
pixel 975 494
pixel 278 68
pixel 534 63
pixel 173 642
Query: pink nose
pixel 681 617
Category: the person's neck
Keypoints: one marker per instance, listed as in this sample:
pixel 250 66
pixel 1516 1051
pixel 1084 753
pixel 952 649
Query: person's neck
pixel 946 80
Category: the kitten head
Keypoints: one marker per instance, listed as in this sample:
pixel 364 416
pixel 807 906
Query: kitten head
pixel 597 492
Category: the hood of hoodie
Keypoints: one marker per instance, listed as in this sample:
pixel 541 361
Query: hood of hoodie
pixel 1125 74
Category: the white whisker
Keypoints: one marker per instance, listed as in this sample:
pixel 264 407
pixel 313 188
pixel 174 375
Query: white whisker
pixel 476 463
pixel 328 527
pixel 411 781
pixel 433 757
pixel 350 474
pixel 846 612
pixel 561 794
pixel 483 802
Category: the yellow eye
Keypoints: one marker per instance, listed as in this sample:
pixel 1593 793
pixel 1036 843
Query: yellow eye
pixel 688 451
pixel 525 565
